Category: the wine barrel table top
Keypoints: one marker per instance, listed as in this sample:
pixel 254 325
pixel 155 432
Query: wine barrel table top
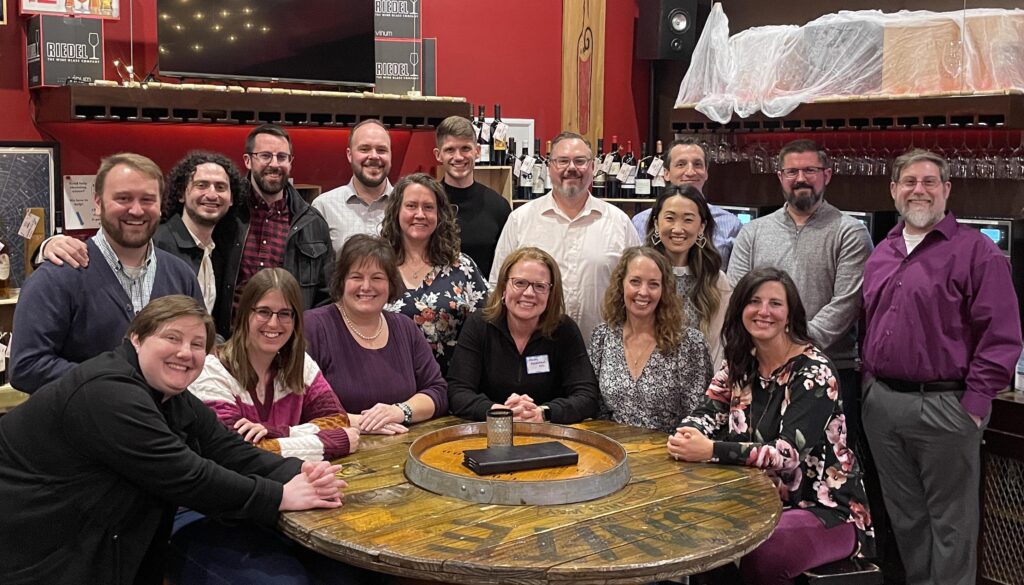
pixel 672 518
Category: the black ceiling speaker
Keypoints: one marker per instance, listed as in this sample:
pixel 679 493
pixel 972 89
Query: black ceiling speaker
pixel 669 29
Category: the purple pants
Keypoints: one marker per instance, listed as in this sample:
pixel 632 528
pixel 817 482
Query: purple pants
pixel 799 542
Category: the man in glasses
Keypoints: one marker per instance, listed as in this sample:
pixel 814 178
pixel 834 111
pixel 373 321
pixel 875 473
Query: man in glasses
pixel 201 189
pixel 358 207
pixel 824 251
pixel 67 315
pixel 942 337
pixel 585 235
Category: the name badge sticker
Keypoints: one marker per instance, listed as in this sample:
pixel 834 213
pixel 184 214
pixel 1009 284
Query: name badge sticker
pixel 537 364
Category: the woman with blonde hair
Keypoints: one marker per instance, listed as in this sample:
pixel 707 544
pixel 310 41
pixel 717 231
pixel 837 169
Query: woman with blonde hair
pixel 651 372
pixel 265 386
pixel 523 352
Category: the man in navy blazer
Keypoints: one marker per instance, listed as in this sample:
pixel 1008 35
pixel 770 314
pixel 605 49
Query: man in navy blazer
pixel 67 315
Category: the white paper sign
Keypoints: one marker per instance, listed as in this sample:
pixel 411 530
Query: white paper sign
pixel 79 209
pixel 28 225
pixel 656 165
pixel 500 132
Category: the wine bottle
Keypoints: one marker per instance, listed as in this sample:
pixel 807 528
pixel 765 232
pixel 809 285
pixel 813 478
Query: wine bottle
pixel 643 180
pixel 539 171
pixel 611 184
pixel 525 175
pixel 628 172
pixel 599 177
pixel 483 139
pixel 498 136
pixel 547 161
pixel 658 178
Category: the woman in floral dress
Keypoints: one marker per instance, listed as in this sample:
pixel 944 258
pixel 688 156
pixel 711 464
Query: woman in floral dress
pixel 775 405
pixel 443 285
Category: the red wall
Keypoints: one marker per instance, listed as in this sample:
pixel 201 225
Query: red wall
pixel 487 51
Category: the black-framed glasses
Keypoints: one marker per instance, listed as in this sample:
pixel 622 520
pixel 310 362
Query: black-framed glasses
pixel 521 284
pixel 284 316
pixel 265 157
pixel 809 172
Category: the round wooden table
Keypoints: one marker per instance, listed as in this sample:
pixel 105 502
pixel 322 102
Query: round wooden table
pixel 671 519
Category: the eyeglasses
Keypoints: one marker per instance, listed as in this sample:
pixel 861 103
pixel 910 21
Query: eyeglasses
pixel 266 157
pixel 284 316
pixel 927 182
pixel 521 284
pixel 809 172
pixel 205 185
pixel 561 163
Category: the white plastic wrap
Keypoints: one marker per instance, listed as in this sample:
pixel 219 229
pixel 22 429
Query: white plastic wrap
pixel 773 69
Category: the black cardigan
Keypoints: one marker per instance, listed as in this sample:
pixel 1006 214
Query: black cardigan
pixel 487 367
pixel 93 466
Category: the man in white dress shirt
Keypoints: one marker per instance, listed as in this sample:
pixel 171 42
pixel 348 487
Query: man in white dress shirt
pixel 358 207
pixel 584 234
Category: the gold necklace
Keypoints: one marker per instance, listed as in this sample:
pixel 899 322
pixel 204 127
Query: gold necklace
pixel 352 326
pixel 645 351
pixel 420 272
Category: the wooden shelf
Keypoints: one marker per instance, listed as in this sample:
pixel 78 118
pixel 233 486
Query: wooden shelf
pixel 873 113
pixel 133 104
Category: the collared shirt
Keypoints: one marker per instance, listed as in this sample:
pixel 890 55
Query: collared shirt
pixel 946 311
pixel 727 227
pixel 586 248
pixel 207 282
pixel 348 215
pixel 137 282
pixel 264 244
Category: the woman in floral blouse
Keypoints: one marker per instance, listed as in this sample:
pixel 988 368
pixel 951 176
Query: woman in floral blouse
pixel 775 405
pixel 443 285
pixel 652 372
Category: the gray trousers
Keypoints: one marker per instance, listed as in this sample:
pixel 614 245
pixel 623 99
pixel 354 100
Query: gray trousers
pixel 928 453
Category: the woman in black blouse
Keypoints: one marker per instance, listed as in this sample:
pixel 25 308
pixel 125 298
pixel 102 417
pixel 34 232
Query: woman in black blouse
pixel 523 353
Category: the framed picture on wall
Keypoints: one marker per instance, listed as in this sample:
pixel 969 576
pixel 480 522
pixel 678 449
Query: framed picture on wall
pixel 88 8
pixel 29 177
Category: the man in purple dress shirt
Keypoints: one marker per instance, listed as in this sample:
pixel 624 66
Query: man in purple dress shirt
pixel 942 337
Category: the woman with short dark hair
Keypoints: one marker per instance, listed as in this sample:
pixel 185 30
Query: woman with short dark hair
pixel 94 466
pixel 378 363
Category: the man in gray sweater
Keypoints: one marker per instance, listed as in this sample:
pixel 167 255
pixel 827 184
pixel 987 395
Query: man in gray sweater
pixel 824 250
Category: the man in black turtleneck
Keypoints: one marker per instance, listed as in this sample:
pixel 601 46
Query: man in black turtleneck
pixel 481 211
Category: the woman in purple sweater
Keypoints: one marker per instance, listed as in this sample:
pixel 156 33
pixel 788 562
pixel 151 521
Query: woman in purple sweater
pixel 379 364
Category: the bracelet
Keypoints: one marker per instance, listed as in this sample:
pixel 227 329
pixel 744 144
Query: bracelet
pixel 407 410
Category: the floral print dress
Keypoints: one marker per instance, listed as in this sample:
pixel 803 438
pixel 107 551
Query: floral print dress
pixel 792 426
pixel 441 304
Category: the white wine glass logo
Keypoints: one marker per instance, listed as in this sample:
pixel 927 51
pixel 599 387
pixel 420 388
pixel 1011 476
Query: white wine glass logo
pixel 414 60
pixel 94 42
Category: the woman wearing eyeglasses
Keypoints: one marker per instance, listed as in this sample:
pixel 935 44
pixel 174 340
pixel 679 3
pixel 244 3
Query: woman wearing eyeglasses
pixel 651 371
pixel 681 227
pixel 522 352
pixel 378 363
pixel 442 285
pixel 264 385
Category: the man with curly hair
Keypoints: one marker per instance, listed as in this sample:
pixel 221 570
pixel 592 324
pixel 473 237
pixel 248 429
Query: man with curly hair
pixel 200 190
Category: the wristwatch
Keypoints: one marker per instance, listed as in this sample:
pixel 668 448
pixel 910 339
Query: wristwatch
pixel 545 411
pixel 408 412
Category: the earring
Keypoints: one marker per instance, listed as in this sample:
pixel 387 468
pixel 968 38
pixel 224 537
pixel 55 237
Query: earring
pixel 787 328
pixel 655 238
pixel 701 241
